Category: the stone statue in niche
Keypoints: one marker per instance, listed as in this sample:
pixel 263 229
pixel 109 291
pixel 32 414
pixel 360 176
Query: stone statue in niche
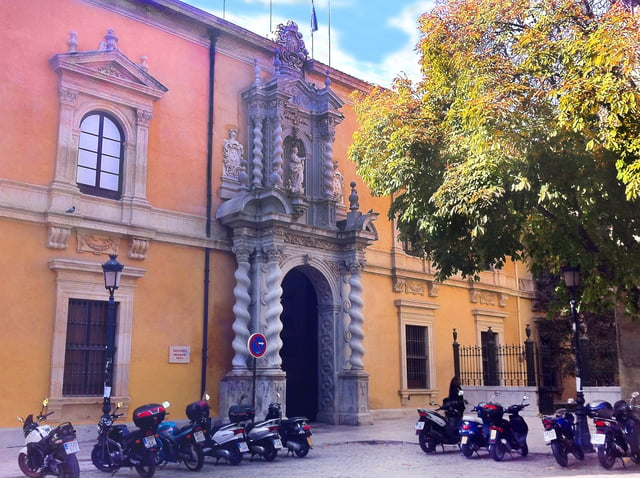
pixel 232 155
pixel 296 171
pixel 338 183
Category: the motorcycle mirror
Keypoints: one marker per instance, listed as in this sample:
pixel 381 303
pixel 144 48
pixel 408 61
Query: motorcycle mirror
pixel 205 396
pixel 45 402
pixel 460 393
pixel 278 395
pixel 166 404
pixel 119 405
pixel 634 394
pixel 526 397
pixel 21 420
pixel 570 401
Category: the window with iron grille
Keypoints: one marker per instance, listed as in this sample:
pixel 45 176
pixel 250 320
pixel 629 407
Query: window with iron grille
pixel 417 356
pixel 85 352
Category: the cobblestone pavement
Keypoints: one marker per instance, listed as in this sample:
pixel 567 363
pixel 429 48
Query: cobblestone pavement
pixel 386 449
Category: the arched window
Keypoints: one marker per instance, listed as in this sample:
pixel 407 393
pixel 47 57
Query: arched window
pixel 100 156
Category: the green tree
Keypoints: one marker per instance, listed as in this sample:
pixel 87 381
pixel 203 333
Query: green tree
pixel 521 141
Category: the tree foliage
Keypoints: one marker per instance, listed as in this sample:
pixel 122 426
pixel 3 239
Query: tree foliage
pixel 522 140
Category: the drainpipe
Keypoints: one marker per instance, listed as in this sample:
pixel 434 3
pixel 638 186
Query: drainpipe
pixel 213 38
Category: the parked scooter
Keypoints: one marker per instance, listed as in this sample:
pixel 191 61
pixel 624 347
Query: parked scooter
pixel 117 446
pixel 48 450
pixel 507 435
pixel 434 429
pixel 218 441
pixel 617 430
pixel 295 432
pixel 474 431
pixel 179 444
pixel 560 434
pixel 262 438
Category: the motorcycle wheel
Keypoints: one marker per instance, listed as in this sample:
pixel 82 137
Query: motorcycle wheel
pixel 427 443
pixel 146 459
pixel 467 450
pixel 304 451
pixel 103 456
pixel 560 453
pixel 270 451
pixel 192 456
pixel 577 451
pixel 235 457
pixel 70 467
pixel 497 450
pixel 524 450
pixel 28 469
pixel 606 457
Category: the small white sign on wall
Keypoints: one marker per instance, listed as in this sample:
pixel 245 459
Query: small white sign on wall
pixel 179 353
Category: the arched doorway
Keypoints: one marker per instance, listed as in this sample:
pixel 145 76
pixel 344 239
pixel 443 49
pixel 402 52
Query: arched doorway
pixel 299 351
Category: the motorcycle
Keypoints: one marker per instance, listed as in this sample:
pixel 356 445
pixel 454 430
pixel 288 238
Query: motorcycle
pixel 295 432
pixel 218 441
pixel 180 445
pixel 560 434
pixel 474 431
pixel 434 429
pixel 117 446
pixel 617 431
pixel 48 450
pixel 262 438
pixel 507 435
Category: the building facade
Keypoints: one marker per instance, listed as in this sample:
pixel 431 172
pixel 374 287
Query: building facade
pixel 213 162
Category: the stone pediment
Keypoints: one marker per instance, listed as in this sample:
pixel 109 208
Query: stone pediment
pixel 110 66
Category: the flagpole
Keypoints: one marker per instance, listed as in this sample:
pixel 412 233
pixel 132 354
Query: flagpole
pixel 329 28
pixel 270 16
pixel 314 25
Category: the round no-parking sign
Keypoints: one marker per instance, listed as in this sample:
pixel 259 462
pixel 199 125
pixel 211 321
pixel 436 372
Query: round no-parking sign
pixel 257 345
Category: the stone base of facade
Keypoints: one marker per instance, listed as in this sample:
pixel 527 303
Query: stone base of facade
pixel 259 389
pixel 353 403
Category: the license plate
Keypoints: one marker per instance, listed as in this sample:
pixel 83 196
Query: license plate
pixel 277 443
pixel 549 435
pixel 198 436
pixel 598 439
pixel 71 447
pixel 464 440
pixel 494 434
pixel 243 447
pixel 149 441
pixel 309 441
pixel 420 426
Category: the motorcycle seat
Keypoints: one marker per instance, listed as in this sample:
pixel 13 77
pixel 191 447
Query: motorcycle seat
pixel 471 418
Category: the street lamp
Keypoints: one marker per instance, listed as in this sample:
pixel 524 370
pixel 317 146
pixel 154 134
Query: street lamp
pixel 571 277
pixel 112 270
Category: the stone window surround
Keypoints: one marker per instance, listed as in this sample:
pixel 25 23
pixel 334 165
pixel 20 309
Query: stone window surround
pixel 411 312
pixel 85 280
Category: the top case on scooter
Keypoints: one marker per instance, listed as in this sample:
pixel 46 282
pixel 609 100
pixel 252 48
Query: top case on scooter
pixel 198 410
pixel 241 413
pixel 600 409
pixel 148 416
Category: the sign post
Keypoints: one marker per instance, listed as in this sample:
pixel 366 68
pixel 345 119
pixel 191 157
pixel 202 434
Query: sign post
pixel 257 345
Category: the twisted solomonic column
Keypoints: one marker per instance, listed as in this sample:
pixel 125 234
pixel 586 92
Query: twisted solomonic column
pixel 272 298
pixel 327 167
pixel 257 156
pixel 277 162
pixel 357 317
pixel 241 308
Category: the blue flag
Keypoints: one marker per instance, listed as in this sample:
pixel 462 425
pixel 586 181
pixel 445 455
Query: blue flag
pixel 314 20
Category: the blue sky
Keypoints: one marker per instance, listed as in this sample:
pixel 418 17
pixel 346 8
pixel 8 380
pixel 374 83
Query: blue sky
pixel 370 39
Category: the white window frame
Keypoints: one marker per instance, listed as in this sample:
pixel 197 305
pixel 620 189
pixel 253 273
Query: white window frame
pixel 85 280
pixel 412 312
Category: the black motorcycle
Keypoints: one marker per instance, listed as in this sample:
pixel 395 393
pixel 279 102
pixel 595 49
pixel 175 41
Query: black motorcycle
pixel 507 435
pixel 180 444
pixel 295 432
pixel 48 450
pixel 118 446
pixel 560 434
pixel 617 431
pixel 434 429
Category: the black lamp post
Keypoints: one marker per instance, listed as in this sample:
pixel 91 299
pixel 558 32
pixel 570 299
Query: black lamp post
pixel 571 277
pixel 112 270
